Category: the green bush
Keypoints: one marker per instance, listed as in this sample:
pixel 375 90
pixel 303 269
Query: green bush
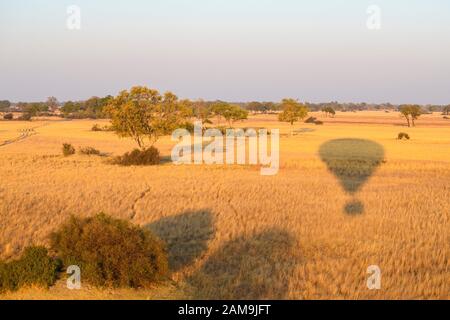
pixel 68 149
pixel 403 135
pixel 89 151
pixel 34 268
pixel 138 157
pixel 111 252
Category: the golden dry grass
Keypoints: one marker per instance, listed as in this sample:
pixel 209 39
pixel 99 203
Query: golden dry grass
pixel 233 233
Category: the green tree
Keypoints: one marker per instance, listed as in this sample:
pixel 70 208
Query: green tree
pixel 202 111
pixel 4 105
pixel 329 111
pixel 144 114
pixel 415 112
pixel 233 113
pixel 218 109
pixel 34 108
pixel 293 111
pixel 411 113
pixel 446 110
pixel 70 107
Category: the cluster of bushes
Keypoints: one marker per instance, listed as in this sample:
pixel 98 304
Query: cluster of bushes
pixel 23 117
pixel 109 252
pixel 149 156
pixel 96 127
pixel 69 150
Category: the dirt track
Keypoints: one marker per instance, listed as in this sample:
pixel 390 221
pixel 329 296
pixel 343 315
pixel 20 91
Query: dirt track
pixel 24 134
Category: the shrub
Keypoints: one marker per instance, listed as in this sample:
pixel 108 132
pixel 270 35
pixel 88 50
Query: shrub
pixel 68 149
pixel 111 252
pixel 89 151
pixel 96 127
pixel 34 268
pixel 149 156
pixel 25 117
pixel 311 120
pixel 318 123
pixel 445 117
pixel 8 116
pixel 403 135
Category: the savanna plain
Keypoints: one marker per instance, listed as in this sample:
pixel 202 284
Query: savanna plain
pixel 234 234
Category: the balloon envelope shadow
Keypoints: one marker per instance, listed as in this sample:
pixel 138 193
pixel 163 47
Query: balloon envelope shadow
pixel 353 162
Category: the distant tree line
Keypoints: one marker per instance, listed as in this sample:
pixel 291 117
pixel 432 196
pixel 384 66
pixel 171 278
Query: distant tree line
pixel 229 112
pixel 92 108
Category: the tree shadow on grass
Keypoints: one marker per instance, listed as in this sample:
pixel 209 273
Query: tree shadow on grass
pixel 186 235
pixel 249 267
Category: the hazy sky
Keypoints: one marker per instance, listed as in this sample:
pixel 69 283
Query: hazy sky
pixel 236 50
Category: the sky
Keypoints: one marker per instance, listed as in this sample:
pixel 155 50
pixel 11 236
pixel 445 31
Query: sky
pixel 234 50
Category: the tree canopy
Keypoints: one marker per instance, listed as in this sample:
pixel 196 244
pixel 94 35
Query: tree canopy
pixel 144 114
pixel 411 113
pixel 293 111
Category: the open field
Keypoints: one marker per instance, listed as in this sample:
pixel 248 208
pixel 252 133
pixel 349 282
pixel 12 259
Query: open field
pixel 233 233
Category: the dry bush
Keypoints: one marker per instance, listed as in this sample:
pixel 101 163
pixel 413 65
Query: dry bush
pixel 311 120
pixel 34 268
pixel 8 116
pixel 111 252
pixel 403 135
pixel 89 151
pixel 149 156
pixel 68 149
pixel 97 127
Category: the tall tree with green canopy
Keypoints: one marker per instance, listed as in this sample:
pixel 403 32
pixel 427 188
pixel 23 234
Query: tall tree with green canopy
pixel 292 111
pixel 410 113
pixel 145 115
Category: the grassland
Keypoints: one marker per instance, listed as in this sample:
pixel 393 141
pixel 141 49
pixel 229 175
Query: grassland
pixel 233 233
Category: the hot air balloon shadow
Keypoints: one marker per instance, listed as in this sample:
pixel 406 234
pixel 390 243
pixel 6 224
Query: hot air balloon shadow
pixel 353 162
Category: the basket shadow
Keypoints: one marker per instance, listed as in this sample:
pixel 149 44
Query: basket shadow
pixel 186 236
